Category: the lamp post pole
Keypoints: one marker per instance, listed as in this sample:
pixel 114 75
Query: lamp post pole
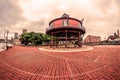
pixel 4 38
pixel 7 40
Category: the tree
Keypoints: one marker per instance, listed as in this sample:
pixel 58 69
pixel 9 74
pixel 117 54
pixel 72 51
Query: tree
pixel 32 38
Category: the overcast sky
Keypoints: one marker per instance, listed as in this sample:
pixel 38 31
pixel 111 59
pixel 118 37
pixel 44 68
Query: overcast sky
pixel 101 17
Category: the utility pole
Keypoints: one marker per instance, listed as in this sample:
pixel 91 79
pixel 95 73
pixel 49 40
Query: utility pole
pixel 4 38
pixel 7 40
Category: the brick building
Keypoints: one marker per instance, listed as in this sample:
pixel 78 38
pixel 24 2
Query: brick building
pixel 16 35
pixel 24 31
pixel 92 39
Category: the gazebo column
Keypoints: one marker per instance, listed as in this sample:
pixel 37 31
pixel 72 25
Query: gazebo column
pixel 79 36
pixel 79 39
pixel 65 38
pixel 51 41
pixel 57 42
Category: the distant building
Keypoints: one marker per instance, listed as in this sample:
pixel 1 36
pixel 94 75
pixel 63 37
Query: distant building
pixel 92 39
pixel 24 31
pixel 16 35
pixel 113 37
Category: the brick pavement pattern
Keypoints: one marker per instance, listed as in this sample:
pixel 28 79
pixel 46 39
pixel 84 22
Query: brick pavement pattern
pixel 30 63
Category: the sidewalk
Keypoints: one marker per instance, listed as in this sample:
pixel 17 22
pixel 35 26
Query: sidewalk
pixel 84 48
pixel 2 46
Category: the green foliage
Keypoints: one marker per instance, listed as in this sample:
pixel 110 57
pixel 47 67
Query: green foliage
pixel 105 41
pixel 34 39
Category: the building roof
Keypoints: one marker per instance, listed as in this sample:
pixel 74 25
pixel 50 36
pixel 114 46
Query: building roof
pixel 66 16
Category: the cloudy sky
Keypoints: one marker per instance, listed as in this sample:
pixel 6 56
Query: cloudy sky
pixel 101 17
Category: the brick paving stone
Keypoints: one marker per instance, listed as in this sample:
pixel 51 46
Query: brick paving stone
pixel 29 63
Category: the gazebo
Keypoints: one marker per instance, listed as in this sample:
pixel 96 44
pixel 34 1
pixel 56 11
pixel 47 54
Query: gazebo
pixel 67 30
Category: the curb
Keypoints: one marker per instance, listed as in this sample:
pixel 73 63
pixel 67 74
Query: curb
pixel 43 49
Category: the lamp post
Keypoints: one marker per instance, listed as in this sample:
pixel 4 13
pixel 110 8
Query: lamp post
pixel 4 38
pixel 7 40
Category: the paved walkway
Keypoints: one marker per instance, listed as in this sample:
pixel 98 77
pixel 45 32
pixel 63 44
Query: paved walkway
pixel 84 48
pixel 30 63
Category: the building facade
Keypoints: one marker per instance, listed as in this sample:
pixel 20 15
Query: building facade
pixel 16 35
pixel 66 29
pixel 92 39
pixel 24 31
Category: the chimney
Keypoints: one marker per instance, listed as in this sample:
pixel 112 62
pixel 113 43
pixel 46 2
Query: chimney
pixel 118 33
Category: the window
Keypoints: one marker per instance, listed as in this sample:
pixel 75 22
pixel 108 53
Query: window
pixel 65 22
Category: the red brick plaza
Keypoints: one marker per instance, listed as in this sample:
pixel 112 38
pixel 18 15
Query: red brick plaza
pixel 30 63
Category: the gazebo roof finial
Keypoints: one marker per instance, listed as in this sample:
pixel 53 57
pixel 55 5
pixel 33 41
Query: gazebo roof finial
pixel 65 15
